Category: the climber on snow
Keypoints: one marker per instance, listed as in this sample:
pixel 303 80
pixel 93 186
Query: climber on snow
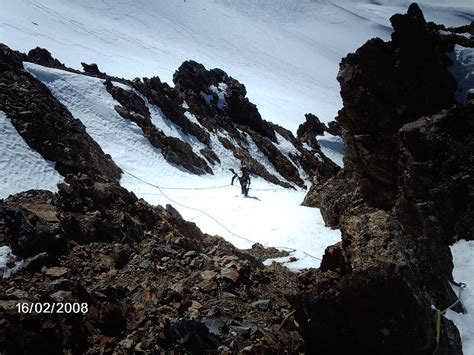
pixel 244 178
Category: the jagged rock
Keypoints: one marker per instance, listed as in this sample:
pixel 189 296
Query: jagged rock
pixel 92 69
pixel 56 271
pixel 191 335
pixel 311 128
pixel 438 173
pixel 173 149
pixel 30 227
pixel 401 198
pixel 169 101
pixel 194 82
pixel 43 57
pixel 142 280
pixel 35 263
pixel 334 128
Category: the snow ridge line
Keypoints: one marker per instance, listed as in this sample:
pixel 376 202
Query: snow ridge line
pixel 211 217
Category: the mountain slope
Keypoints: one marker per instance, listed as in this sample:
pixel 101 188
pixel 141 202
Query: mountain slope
pixel 286 52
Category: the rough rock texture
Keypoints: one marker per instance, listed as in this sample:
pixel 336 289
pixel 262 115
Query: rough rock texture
pixel 168 100
pixel 92 69
pixel 42 56
pixel 404 195
pixel 45 124
pixel 334 128
pixel 152 282
pixel 194 82
pixel 308 130
pixel 173 149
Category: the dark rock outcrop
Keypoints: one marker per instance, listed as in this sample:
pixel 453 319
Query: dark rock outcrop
pixel 173 149
pixel 92 69
pixel 194 82
pixel 168 100
pixel 43 57
pixel 46 125
pixel 404 195
pixel 311 128
pixel 334 128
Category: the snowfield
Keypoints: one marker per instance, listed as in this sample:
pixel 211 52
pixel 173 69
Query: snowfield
pixel 286 52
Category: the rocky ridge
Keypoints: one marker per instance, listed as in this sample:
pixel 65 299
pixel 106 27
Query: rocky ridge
pixel 216 102
pixel 404 195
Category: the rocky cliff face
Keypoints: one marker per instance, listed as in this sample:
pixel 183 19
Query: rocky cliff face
pixel 404 195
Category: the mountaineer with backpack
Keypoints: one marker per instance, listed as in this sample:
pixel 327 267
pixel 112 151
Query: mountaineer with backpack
pixel 244 178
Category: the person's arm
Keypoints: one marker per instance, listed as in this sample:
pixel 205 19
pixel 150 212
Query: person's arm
pixel 233 178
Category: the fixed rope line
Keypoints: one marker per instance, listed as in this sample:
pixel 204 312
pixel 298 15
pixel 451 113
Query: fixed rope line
pixel 174 188
pixel 211 217
pixel 191 208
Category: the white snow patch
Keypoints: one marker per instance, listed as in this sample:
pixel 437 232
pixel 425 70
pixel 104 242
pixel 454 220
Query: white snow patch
pixel 5 271
pixel 448 33
pixel 332 147
pixel 88 100
pixel 463 71
pixel 168 127
pixel 22 168
pixel 463 259
pixel 122 85
pixel 192 118
pixel 5 251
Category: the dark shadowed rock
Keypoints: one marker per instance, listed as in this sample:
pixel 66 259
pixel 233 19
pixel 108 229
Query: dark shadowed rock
pixel 92 69
pixel 173 149
pixel 311 128
pixel 401 199
pixel 196 83
pixel 43 57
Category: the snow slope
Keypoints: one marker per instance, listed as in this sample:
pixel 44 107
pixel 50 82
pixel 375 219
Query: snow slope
pixel 22 167
pixel 463 260
pixel 286 52
pixel 270 215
